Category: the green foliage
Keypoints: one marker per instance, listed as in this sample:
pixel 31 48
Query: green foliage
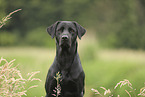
pixel 39 37
pixel 2 7
pixel 117 24
pixel 110 67
pixel 7 39
pixel 120 23
pixel 89 52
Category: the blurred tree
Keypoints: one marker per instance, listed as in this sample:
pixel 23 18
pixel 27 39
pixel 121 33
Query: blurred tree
pixel 2 7
pixel 118 23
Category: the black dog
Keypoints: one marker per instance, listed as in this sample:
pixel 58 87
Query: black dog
pixel 67 60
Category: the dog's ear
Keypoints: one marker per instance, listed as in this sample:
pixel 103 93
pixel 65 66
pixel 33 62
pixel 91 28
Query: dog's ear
pixel 52 29
pixel 80 30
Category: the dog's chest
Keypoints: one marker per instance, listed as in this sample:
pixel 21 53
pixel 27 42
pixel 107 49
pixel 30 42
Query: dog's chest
pixel 68 83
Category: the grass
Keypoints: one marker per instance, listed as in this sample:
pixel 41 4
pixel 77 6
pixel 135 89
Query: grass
pixel 130 91
pixel 103 67
pixel 12 83
pixel 5 19
pixel 31 59
pixel 112 66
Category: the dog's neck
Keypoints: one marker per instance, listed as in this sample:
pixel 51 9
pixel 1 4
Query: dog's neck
pixel 65 56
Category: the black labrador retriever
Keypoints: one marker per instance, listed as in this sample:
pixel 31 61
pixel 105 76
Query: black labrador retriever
pixel 67 60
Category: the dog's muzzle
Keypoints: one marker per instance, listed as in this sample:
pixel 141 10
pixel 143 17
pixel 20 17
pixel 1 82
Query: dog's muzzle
pixel 65 41
pixel 64 37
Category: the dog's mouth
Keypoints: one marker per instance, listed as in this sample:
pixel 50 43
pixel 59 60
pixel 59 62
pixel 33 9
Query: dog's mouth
pixel 64 44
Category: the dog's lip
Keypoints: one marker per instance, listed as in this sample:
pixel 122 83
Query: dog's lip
pixel 64 45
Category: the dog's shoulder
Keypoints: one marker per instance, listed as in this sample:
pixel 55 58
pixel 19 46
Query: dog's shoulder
pixel 76 69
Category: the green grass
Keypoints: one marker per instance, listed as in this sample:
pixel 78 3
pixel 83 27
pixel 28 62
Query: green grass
pixel 102 67
pixel 112 66
pixel 31 59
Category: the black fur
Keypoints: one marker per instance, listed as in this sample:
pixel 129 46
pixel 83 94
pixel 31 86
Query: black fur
pixel 67 60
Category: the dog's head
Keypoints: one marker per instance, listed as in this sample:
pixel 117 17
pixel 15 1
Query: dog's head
pixel 66 32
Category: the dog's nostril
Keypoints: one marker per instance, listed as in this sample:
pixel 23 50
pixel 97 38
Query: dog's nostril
pixel 64 37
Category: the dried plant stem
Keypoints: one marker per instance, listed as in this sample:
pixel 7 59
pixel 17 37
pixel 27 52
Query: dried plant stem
pixel 12 84
pixel 121 83
pixel 57 89
pixel 3 21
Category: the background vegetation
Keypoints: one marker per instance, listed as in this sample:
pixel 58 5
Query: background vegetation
pixel 116 23
pixel 105 68
pixel 111 50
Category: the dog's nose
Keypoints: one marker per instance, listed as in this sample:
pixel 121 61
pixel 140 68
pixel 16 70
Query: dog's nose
pixel 64 37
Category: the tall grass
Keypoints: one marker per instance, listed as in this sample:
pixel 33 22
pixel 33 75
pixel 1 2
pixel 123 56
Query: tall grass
pixel 6 18
pixel 105 68
pixel 129 90
pixel 12 83
pixel 57 90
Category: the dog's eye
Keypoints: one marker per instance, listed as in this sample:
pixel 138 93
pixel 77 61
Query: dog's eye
pixel 61 29
pixel 71 31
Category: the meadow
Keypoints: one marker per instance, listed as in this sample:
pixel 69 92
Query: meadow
pixel 103 67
